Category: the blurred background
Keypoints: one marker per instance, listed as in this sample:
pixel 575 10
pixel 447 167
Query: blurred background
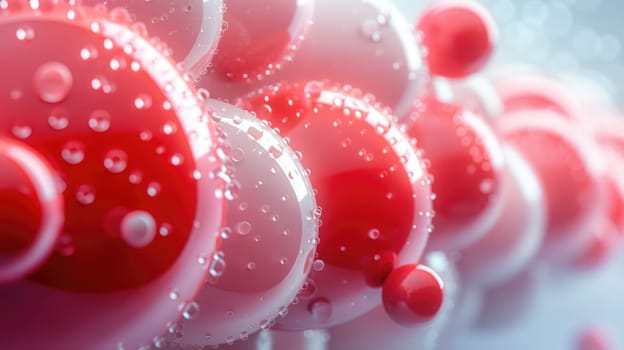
pixel 573 39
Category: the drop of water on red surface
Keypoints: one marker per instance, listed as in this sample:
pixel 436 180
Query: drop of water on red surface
pixel 53 82
pixel 320 309
pixel 138 229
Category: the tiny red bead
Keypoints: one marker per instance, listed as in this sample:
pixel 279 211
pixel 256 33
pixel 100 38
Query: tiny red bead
pixel 412 294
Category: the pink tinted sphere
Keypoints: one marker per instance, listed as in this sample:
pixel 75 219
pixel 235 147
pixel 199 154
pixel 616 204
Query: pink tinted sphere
pixel 570 167
pixel 361 148
pixel 466 162
pixel 261 36
pixel 459 37
pixel 269 238
pixel 190 29
pixel 514 241
pixel 125 264
pixel 381 53
pixel 523 89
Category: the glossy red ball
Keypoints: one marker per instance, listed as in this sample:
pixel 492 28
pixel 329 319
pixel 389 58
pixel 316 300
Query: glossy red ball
pixel 412 294
pixel 459 37
pixel 466 162
pixel 123 130
pixel 370 186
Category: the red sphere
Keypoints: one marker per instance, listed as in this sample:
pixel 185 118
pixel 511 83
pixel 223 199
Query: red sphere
pixel 268 239
pixel 466 161
pixel 139 166
pixel 524 89
pixel 370 186
pixel 458 36
pixel 412 294
pixel 570 167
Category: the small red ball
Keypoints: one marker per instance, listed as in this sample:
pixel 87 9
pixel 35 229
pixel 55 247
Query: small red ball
pixel 412 294
pixel 459 37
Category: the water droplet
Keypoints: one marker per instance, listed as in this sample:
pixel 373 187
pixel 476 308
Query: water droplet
pixel 138 229
pixel 177 159
pixel 374 233
pixel 165 229
pixel 174 294
pixel 53 81
pixel 21 131
pixel 264 324
pixel 255 133
pixel 276 151
pixel 237 155
pixel 318 265
pixel 370 30
pixel 232 190
pixel 88 53
pixel 175 329
pixel 308 289
pixel 345 143
pixel 203 94
pixel 118 63
pixel 217 266
pixel 190 311
pixel 225 232
pixel 313 89
pixel 143 102
pixel 169 129
pixel 99 121
pixel 486 186
pixel 25 33
pixel 85 194
pixel 58 120
pixel 202 260
pixel 73 152
pixel 145 136
pixel 283 311
pixel 135 177
pixel 116 161
pixel 153 189
pixel 320 309
pixel 159 342
pixel 243 228
pixel 251 266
